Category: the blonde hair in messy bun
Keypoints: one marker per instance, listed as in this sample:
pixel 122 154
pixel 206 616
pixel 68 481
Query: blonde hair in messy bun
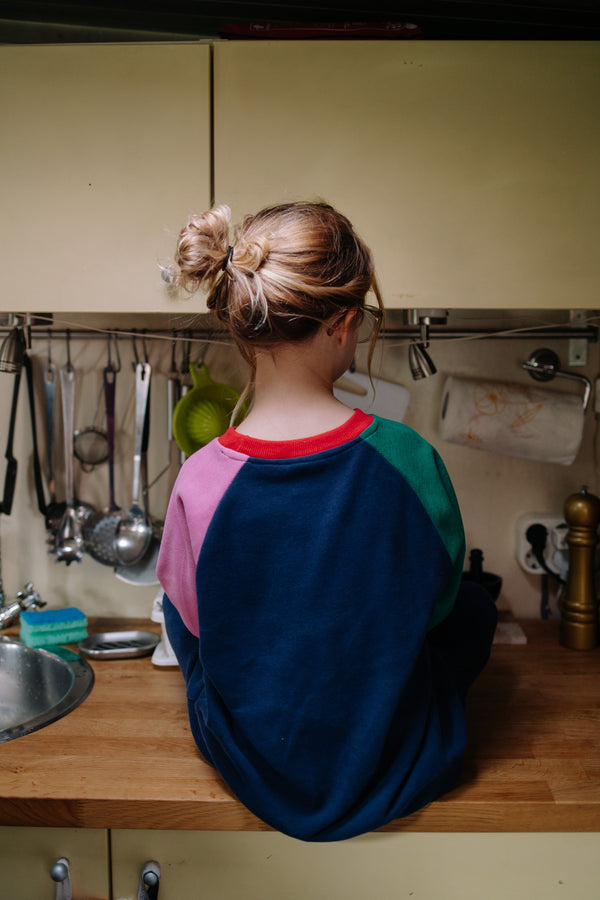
pixel 289 269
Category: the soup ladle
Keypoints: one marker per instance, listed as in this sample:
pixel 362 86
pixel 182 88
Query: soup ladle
pixel 134 531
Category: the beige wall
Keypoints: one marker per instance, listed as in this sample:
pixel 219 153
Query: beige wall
pixel 90 585
pixel 493 490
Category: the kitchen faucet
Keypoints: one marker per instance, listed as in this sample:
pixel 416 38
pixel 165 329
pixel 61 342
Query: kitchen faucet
pixel 28 598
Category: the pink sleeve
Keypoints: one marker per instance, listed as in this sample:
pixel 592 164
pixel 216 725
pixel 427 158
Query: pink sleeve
pixel 197 492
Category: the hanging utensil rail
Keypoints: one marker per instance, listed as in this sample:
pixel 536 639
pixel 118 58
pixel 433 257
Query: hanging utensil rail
pixel 562 332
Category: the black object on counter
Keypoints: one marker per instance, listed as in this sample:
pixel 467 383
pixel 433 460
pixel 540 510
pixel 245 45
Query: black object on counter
pixel 492 583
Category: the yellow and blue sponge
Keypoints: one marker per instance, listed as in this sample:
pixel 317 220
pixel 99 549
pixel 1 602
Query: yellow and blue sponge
pixel 43 628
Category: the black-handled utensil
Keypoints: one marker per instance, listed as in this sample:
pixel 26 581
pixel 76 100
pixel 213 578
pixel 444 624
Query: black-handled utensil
pixel 10 477
pixel 37 469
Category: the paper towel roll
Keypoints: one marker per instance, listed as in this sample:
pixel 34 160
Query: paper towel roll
pixel 512 419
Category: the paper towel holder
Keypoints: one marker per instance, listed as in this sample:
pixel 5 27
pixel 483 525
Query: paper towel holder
pixel 544 365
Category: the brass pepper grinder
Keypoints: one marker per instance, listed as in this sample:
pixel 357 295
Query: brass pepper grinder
pixel 579 610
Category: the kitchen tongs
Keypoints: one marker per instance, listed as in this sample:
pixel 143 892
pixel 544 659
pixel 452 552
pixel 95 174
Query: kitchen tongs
pixel 10 477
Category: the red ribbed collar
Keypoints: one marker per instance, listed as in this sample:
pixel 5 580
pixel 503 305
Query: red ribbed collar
pixel 250 446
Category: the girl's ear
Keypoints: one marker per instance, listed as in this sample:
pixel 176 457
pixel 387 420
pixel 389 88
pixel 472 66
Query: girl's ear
pixel 346 325
pixel 342 324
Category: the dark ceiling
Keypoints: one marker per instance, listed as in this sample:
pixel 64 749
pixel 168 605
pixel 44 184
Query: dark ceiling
pixel 131 20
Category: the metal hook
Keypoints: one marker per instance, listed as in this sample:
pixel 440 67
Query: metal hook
pixel 185 359
pixel 144 347
pixel 68 338
pixel 49 348
pixel 111 366
pixel 173 349
pixel 137 361
pixel 206 346
pixel 136 358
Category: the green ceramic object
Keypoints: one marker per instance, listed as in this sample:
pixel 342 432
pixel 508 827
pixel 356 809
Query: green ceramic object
pixel 204 412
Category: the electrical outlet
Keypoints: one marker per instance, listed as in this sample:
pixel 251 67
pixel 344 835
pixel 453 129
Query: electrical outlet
pixel 555 554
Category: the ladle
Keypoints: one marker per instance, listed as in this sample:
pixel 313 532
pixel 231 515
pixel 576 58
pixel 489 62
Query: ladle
pixel 134 531
pixel 100 529
pixel 69 541
pixel 143 572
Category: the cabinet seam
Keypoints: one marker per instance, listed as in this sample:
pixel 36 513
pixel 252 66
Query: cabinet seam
pixel 211 122
pixel 109 864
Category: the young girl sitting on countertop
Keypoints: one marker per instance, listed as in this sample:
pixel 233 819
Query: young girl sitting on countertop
pixel 312 556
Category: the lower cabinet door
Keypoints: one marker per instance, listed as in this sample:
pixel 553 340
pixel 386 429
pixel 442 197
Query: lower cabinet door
pixel 379 866
pixel 27 856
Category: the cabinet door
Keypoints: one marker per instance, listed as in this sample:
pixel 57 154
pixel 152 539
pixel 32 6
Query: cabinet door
pixel 28 854
pixel 378 866
pixel 470 168
pixel 104 152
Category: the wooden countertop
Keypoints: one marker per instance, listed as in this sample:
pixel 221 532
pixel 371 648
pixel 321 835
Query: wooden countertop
pixel 125 758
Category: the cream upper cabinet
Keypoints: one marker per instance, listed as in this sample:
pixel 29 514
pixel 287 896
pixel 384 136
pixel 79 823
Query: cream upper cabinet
pixel 104 152
pixel 471 168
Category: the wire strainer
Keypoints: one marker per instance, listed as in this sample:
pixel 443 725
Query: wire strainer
pixel 90 445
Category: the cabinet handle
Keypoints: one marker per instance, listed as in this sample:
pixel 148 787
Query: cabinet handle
pixel 149 881
pixel 60 874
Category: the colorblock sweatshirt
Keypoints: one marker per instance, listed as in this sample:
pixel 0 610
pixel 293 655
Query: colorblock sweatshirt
pixel 301 582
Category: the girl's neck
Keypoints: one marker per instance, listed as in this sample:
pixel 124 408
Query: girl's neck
pixel 293 394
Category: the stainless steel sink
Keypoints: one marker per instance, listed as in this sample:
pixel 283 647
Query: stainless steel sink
pixel 38 687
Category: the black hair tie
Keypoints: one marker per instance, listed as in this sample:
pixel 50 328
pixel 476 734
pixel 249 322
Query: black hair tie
pixel 228 256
